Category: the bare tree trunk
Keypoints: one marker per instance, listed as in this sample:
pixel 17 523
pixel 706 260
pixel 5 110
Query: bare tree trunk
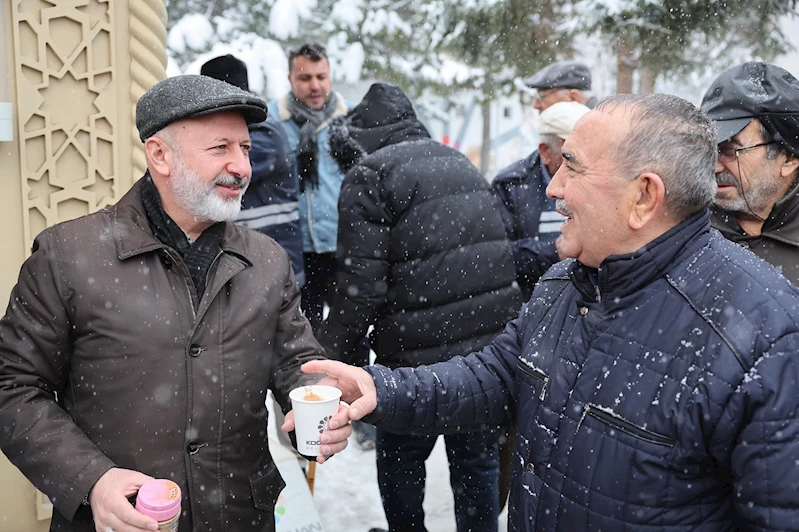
pixel 626 65
pixel 648 77
pixel 485 148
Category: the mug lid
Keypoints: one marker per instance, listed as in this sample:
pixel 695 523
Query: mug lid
pixel 159 498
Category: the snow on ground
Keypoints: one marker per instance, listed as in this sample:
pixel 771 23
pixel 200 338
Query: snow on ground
pixel 348 500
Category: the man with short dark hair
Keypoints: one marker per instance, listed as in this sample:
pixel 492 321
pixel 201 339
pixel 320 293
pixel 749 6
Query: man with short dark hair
pixel 562 81
pixel 304 113
pixel 756 109
pixel 652 377
pixel 141 340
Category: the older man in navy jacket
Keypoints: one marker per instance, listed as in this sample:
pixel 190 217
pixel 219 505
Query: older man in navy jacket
pixel 652 377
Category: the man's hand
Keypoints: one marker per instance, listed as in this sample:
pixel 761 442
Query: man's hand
pixel 110 505
pixel 357 389
pixel 357 386
pixel 334 439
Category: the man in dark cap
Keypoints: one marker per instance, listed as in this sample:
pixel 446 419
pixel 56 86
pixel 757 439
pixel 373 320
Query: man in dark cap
pixel 271 203
pixel 140 340
pixel 756 109
pixel 562 81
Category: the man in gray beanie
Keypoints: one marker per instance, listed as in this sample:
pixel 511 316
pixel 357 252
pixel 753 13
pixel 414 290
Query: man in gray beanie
pixel 756 110
pixel 140 340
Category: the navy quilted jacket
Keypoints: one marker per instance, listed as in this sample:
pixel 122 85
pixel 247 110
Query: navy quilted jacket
pixel 663 397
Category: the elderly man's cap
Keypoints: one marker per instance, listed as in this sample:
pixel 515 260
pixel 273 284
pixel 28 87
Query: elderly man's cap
pixel 562 74
pixel 755 90
pixel 559 118
pixel 190 96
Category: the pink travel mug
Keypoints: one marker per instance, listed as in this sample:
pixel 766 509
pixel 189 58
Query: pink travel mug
pixel 160 499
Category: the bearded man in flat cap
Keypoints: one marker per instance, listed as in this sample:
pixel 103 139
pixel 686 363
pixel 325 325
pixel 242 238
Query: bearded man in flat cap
pixel 756 110
pixel 140 340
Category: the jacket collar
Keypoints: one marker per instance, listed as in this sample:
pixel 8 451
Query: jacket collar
pixel 782 223
pixel 134 236
pixel 621 275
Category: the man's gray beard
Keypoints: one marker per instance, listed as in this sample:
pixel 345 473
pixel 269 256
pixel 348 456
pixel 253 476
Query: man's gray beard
pixel 200 200
pixel 756 198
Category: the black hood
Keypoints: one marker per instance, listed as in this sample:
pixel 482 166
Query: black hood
pixel 385 116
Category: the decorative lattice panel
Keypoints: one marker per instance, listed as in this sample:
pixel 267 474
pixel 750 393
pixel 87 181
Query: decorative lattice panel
pixel 69 109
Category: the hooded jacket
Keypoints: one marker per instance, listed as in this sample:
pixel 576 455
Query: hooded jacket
pixel 656 393
pixel 422 252
pixel 108 359
pixel 778 242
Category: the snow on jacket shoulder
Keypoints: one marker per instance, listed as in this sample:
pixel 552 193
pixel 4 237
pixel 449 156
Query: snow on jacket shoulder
pixel 666 400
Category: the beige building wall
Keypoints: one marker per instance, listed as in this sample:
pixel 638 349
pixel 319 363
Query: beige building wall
pixel 72 71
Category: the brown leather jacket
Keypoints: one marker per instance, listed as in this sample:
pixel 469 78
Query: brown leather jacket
pixel 778 243
pixel 105 361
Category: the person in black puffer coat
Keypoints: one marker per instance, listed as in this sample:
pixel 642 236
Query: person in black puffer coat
pixel 424 258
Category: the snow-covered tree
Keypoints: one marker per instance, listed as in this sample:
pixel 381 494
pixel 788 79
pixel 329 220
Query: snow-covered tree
pixel 677 37
pixel 391 40
pixel 502 40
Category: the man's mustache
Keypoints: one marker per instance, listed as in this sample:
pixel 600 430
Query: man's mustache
pixel 726 178
pixel 228 180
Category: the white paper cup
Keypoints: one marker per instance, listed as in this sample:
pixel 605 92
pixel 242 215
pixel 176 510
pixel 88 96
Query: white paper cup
pixel 311 415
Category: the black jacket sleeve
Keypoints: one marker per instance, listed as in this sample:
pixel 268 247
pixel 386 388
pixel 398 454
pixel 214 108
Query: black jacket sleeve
pixel 364 237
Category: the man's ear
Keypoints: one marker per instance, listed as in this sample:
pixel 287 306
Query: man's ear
pixel 159 155
pixel 545 151
pixel 647 198
pixel 789 166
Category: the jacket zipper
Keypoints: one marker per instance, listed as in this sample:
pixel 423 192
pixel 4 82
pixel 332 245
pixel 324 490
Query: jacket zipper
pixel 538 375
pixel 625 426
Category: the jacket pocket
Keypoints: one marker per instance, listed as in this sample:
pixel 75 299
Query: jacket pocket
pixel 266 486
pixel 537 375
pixel 625 426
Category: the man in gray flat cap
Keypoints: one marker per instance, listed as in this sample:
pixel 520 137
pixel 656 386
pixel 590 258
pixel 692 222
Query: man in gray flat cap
pixel 562 81
pixel 756 110
pixel 140 340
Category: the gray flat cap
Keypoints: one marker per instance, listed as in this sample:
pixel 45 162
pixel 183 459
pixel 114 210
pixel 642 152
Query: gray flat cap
pixel 755 90
pixel 565 74
pixel 187 96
